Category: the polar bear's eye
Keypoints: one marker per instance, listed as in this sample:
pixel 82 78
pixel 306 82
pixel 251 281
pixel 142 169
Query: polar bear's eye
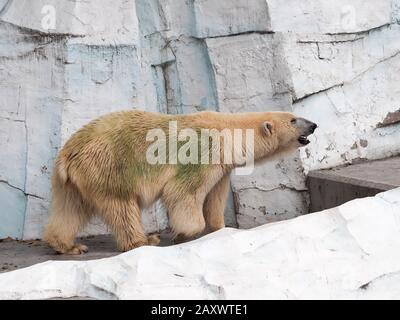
pixel 293 121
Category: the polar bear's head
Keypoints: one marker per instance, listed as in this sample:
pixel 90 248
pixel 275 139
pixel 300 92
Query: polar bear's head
pixel 285 132
pixel 289 128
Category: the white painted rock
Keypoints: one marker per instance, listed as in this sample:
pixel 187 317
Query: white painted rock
pixel 352 106
pixel 100 22
pixel 396 10
pixel 217 18
pixel 320 62
pixel 340 16
pixel 352 251
pixel 240 86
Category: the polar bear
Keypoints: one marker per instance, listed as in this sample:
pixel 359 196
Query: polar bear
pixel 104 169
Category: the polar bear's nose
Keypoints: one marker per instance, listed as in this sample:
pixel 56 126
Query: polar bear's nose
pixel 306 127
pixel 313 127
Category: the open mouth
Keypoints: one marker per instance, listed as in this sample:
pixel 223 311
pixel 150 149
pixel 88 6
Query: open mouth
pixel 303 140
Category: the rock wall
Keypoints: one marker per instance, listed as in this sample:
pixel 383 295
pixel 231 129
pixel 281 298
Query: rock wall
pixel 67 62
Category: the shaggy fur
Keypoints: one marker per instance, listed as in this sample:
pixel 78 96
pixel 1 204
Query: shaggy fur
pixel 102 170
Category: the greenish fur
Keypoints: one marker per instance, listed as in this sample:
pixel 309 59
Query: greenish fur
pixel 126 137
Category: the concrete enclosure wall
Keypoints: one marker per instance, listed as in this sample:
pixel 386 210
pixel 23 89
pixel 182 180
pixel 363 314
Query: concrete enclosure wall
pixel 63 63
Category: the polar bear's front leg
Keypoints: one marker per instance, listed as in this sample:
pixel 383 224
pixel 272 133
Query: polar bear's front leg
pixel 186 218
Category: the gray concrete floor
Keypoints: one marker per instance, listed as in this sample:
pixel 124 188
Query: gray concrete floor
pixel 16 254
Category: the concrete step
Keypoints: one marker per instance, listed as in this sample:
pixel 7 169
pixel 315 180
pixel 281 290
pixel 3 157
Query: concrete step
pixel 333 187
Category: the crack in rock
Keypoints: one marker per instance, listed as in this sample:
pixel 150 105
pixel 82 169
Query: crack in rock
pixel 20 189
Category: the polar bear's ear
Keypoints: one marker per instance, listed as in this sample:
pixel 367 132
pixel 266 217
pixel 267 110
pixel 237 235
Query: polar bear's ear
pixel 267 127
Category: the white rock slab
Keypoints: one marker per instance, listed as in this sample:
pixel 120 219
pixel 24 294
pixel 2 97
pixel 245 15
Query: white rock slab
pixel 216 18
pixel 98 80
pixel 13 144
pixel 257 206
pixel 348 252
pixel 275 191
pixel 340 16
pixel 101 22
pixel 240 86
pixel 12 210
pixel 321 62
pixel 396 11
pixel 353 106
